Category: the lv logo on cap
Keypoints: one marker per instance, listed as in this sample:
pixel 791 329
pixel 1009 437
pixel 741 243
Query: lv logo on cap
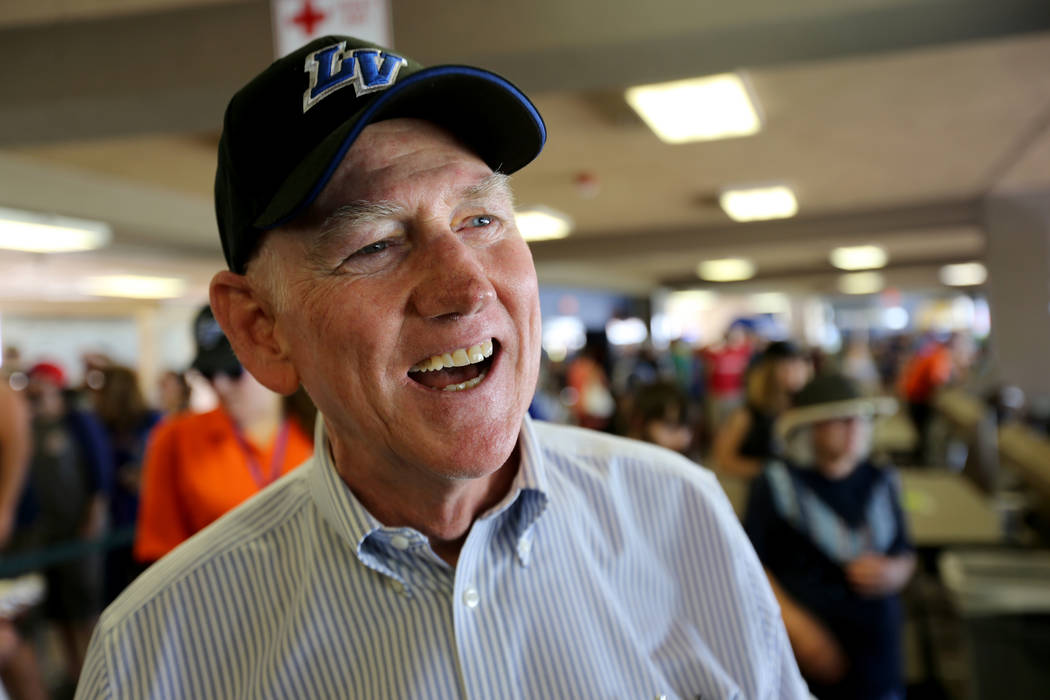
pixel 333 67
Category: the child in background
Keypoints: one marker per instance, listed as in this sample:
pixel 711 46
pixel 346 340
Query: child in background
pixel 659 415
pixel 828 527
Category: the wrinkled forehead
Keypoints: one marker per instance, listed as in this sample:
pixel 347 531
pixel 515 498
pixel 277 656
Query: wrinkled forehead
pixel 382 150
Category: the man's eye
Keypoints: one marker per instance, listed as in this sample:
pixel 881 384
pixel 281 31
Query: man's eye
pixel 371 257
pixel 478 221
pixel 373 248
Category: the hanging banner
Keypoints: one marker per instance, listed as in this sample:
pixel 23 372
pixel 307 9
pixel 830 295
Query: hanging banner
pixel 295 22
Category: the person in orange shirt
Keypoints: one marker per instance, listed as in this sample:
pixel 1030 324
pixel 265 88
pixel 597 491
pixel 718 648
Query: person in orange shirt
pixel 932 368
pixel 200 465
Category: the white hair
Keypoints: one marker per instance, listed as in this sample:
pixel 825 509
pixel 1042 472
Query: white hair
pixel 263 273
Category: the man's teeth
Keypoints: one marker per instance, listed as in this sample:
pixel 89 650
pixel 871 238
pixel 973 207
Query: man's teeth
pixel 457 358
pixel 470 383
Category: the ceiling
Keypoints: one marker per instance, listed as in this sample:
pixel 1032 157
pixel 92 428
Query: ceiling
pixel 891 119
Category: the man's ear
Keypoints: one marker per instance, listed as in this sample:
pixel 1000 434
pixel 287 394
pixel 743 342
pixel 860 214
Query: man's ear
pixel 248 321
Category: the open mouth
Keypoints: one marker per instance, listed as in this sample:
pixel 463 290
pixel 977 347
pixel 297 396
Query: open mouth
pixel 457 370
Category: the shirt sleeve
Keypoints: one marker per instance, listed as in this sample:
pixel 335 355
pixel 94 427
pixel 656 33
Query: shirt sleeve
pixel 162 523
pixel 94 676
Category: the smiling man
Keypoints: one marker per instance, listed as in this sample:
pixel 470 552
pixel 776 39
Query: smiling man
pixel 438 543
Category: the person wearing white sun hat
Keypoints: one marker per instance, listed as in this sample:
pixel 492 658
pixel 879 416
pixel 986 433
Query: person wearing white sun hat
pixel 828 526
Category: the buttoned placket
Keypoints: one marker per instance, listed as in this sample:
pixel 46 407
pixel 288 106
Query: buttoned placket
pixel 470 608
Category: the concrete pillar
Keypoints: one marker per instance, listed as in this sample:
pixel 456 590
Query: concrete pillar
pixel 1018 261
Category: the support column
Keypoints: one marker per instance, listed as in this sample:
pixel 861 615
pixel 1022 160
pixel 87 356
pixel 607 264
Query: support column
pixel 1018 260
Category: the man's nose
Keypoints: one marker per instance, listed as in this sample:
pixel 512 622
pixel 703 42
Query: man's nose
pixel 452 281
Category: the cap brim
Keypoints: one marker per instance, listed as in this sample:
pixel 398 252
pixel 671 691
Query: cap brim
pixel 866 407
pixel 216 361
pixel 487 113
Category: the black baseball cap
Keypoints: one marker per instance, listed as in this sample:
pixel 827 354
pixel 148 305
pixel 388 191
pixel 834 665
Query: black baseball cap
pixel 286 131
pixel 214 354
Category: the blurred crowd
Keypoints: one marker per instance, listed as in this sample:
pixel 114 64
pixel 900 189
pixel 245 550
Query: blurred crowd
pixel 717 402
pixel 96 482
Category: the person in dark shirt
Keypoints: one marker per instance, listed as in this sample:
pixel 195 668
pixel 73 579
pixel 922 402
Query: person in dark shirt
pixel 745 441
pixel 65 502
pixel 128 422
pixel 827 525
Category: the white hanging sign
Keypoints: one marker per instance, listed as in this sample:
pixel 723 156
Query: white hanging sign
pixel 295 22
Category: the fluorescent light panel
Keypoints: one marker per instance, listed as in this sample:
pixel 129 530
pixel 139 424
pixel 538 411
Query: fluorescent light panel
pixel 726 270
pixel 699 109
pixel 861 283
pixel 759 203
pixel 39 233
pixel 542 223
pixel 964 274
pixel 859 257
pixel 134 287
pixel 770 303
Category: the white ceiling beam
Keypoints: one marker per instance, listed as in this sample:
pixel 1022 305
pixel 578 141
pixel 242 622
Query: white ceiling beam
pixel 174 70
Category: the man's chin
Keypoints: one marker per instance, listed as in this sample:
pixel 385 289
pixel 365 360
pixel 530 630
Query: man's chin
pixel 466 459
pixel 465 467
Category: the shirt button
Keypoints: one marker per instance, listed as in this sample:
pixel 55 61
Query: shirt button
pixel 399 542
pixel 471 598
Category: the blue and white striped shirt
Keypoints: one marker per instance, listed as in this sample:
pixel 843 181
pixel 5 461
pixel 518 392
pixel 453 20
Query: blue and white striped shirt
pixel 612 569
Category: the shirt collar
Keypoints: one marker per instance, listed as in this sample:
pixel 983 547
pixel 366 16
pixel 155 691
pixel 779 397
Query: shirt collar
pixel 523 504
pixel 338 505
pixel 527 497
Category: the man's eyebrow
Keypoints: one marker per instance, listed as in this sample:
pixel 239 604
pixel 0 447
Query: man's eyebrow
pixel 355 214
pixel 496 183
pixel 364 212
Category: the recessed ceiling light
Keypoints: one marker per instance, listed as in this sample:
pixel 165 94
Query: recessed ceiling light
pixel 861 283
pixel 691 300
pixel 770 303
pixel 759 203
pixel 699 109
pixel 134 287
pixel 39 233
pixel 858 257
pixel 726 270
pixel 541 223
pixel 964 274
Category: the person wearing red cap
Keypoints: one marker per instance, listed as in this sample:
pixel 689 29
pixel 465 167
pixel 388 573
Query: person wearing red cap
pixel 69 477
